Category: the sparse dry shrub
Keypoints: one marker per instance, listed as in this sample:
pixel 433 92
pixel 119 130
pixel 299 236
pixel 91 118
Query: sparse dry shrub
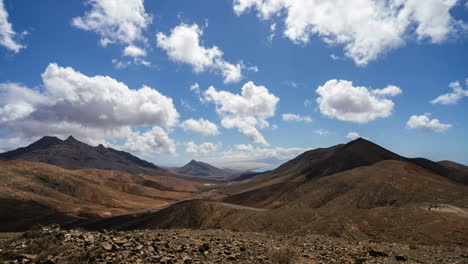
pixel 283 255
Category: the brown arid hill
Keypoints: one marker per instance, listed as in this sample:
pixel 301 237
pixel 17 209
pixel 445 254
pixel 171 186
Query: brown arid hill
pixel 33 193
pixel 319 163
pixel 203 170
pixel 73 154
pixel 394 201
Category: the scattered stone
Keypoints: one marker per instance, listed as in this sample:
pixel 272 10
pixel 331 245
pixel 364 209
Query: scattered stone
pixel 107 247
pixel 53 245
pixel 375 253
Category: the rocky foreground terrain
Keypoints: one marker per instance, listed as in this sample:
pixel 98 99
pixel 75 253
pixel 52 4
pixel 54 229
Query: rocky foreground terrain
pixel 54 245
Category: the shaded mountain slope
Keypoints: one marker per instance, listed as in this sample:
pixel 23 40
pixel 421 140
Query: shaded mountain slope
pixel 203 170
pixel 85 193
pixel 460 171
pixel 73 154
pixel 193 214
pixel 19 215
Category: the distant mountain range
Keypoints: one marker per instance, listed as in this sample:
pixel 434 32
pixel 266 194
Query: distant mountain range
pixel 207 171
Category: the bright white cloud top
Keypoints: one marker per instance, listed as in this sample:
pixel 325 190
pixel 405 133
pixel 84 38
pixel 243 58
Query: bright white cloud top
pixel 184 45
pixel 90 108
pixel 7 34
pixel 426 123
pixel 366 28
pixel 453 97
pixel 342 100
pixel 115 21
pixel 296 118
pixel 247 111
pixel 201 126
pixel 134 51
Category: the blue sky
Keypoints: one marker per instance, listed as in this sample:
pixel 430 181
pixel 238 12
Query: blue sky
pixel 379 72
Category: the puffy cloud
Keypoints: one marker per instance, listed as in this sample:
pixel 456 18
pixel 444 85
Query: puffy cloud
pixel 90 108
pixel 296 118
pixel 134 51
pixel 116 21
pixel 366 28
pixel 341 100
pixel 201 126
pixel 7 34
pixel 453 97
pixel 184 45
pixel 390 90
pixel 424 122
pixel 354 135
pixel 246 111
pixel 155 140
pixel 202 149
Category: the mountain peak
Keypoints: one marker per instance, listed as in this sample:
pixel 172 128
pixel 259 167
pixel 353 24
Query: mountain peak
pixel 193 162
pixel 71 138
pixel 49 139
pixel 202 169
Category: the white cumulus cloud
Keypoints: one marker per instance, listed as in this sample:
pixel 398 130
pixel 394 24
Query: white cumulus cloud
pixel 296 118
pixel 90 108
pixel 134 51
pixel 121 22
pixel 201 149
pixel 155 140
pixel 342 100
pixel 426 123
pixel 184 45
pixel 453 97
pixel 7 34
pixel 201 126
pixel 116 21
pixel 247 111
pixel 366 28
